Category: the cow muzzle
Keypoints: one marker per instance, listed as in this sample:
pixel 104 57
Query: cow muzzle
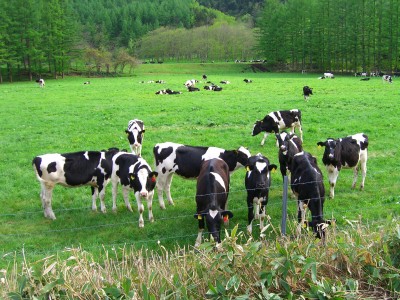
pixel 144 194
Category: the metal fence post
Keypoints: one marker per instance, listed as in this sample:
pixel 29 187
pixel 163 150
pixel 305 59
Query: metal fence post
pixel 284 205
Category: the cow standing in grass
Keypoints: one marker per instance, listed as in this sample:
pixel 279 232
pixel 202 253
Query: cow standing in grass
pixel 135 133
pixel 75 169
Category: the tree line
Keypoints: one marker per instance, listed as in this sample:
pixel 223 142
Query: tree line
pixel 334 35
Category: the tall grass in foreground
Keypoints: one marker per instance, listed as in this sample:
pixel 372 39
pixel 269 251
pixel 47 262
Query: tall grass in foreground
pixel 354 264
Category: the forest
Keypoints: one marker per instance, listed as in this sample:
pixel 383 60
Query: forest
pixel 53 37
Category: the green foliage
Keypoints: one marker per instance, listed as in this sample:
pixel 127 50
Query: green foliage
pixel 346 36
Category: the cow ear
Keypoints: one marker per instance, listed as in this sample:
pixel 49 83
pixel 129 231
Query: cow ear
pixel 226 214
pixel 272 167
pixel 126 131
pixel 321 144
pixel 143 131
pixel 248 169
pixel 132 177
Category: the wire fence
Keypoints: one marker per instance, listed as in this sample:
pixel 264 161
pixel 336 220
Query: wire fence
pixel 237 207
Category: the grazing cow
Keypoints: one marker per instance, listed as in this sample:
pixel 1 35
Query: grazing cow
pixel 133 173
pixel 277 120
pixel 135 132
pixel 212 197
pixel 348 152
pixel 204 77
pixel 190 82
pixel 193 89
pixel 307 92
pixel 41 82
pixel 167 92
pixel 248 80
pixel 224 82
pixel 213 87
pixel 257 183
pixel 186 161
pixel 387 78
pixel 72 170
pixel 289 145
pixel 322 77
pixel 329 75
pixel 86 82
pixel 308 186
pixel 159 81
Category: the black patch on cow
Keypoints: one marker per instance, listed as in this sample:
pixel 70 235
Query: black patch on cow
pixel 52 167
pixel 36 162
pixel 164 170
pixel 161 155
pixel 78 169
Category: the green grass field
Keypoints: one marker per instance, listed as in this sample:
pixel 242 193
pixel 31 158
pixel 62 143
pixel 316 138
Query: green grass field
pixel 68 116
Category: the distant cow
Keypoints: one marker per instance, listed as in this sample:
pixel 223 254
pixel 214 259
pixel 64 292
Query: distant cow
pixel 307 184
pixel 160 81
pixel 224 82
pixel 167 92
pixel 204 77
pixel 193 89
pixel 289 145
pixel 135 132
pixel 257 183
pixel 329 75
pixel 41 82
pixel 213 87
pixel 171 158
pixel 348 152
pixel 133 173
pixel 365 79
pixel 212 197
pixel 72 170
pixel 387 78
pixel 278 120
pixel 86 82
pixel 190 82
pixel 248 80
pixel 307 92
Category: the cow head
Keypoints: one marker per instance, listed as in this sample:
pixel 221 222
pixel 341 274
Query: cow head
pixel 319 227
pixel 214 217
pixel 257 128
pixel 142 180
pixel 259 167
pixel 135 134
pixel 330 148
pixel 282 141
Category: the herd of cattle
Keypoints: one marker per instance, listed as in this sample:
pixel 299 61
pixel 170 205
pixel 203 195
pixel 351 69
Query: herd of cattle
pixel 212 167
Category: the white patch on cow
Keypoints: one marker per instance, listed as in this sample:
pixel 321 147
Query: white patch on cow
pixel 219 179
pixel 86 155
pixel 299 154
pixel 260 166
pixel 213 213
pixel 277 120
pixel 245 151
pixel 212 152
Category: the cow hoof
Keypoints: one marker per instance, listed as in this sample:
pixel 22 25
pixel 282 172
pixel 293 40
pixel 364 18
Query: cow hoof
pixel 162 206
pixel 129 208
pixel 171 203
pixel 141 224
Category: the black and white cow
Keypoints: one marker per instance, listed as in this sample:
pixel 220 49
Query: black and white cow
pixel 204 77
pixel 348 152
pixel 289 145
pixel 387 78
pixel 212 197
pixel 190 82
pixel 135 132
pixel 213 87
pixel 75 169
pixel 225 82
pixel 307 92
pixel 171 158
pixel 308 186
pixel 248 80
pixel 278 120
pixel 41 82
pixel 193 89
pixel 133 173
pixel 167 92
pixel 329 75
pixel 257 183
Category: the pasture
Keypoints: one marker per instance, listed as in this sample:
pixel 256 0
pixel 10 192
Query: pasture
pixel 68 116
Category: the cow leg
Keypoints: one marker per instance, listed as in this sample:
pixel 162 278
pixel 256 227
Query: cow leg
pixel 264 138
pixel 150 206
pixel 301 215
pixel 333 174
pixel 47 193
pixel 200 232
pixel 140 209
pixel 355 175
pixel 363 172
pixel 250 214
pixel 94 197
pixel 262 214
pixel 168 188
pixel 125 193
pixel 114 195
pixel 300 131
pixel 102 193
